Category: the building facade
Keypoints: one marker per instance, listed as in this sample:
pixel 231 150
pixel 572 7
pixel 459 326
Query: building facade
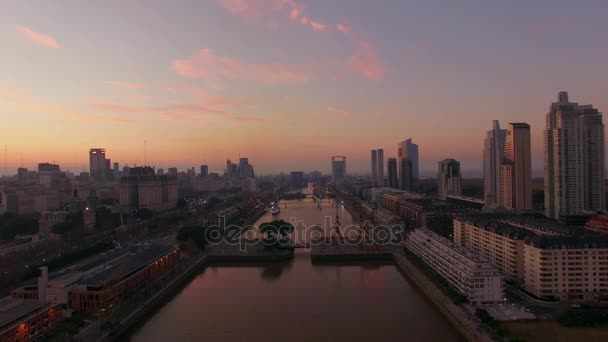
pixel 142 188
pixel 493 156
pixel 392 173
pixel 408 164
pixel 468 273
pixel 338 168
pixel 516 169
pixel 449 180
pixel 574 159
pixel 548 259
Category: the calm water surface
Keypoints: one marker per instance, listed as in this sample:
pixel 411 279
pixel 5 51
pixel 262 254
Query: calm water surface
pixel 298 301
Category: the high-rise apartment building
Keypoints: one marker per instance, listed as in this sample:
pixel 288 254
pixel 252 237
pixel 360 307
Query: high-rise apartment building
pixel 507 170
pixel 338 168
pixel 378 167
pixel 493 156
pixel 574 158
pixel 516 169
pixel 448 178
pixel 392 173
pixel 408 164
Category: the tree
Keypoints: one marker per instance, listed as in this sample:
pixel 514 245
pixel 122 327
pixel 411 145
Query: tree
pixel 12 225
pixel 71 223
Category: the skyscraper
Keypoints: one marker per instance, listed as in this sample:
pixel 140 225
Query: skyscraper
pixel 392 173
pixel 204 170
pixel 493 156
pixel 338 168
pixel 448 178
pixel 380 167
pixel 516 169
pixel 374 166
pixel 574 158
pixel 408 179
pixel 99 166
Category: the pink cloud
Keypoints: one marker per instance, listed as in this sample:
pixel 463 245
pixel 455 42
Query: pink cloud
pixel 304 20
pixel 342 28
pixel 317 26
pixel 249 9
pixel 339 112
pixel 125 85
pixel 206 64
pixel 37 37
pixel 366 62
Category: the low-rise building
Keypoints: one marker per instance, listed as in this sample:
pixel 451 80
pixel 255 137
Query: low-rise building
pixel 550 260
pixel 470 274
pixel 27 320
pixel 143 189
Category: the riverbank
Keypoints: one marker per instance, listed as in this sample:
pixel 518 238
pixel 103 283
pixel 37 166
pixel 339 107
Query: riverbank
pixel 458 317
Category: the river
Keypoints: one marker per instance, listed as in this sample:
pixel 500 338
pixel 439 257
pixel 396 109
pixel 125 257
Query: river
pixel 298 301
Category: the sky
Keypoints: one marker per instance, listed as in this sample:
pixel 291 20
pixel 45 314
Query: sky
pixel 288 83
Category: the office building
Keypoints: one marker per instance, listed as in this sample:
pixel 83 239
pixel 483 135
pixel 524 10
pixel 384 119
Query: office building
pixel 374 166
pixel 99 165
pixel 204 170
pixel 116 170
pixel 47 173
pixel 143 189
pixel 245 170
pixel 172 171
pixel 338 168
pixel 449 180
pixel 406 174
pixel 574 159
pixel 392 173
pixel 470 274
pixel 378 167
pixel 408 164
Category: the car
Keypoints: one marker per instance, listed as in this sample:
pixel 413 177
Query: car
pixel 575 306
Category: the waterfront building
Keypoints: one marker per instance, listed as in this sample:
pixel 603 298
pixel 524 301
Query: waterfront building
pixel 408 164
pixel 574 159
pixel 470 274
pixel 93 288
pixel 144 189
pixel 449 181
pixel 549 259
pixel 338 168
pixel 27 319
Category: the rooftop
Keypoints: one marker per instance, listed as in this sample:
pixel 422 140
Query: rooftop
pixel 12 309
pixel 113 265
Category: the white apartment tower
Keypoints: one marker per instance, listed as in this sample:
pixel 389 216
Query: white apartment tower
pixel 574 158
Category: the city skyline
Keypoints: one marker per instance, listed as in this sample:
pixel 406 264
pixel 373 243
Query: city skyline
pixel 329 68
